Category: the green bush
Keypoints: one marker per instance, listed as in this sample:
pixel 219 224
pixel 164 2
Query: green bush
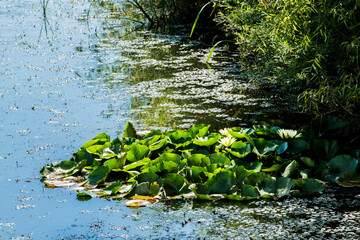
pixel 309 47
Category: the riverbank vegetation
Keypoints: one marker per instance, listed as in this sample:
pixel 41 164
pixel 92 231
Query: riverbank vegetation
pixel 307 47
pixel 235 164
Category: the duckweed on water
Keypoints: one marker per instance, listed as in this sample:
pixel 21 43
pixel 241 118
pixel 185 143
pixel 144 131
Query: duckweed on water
pixel 235 164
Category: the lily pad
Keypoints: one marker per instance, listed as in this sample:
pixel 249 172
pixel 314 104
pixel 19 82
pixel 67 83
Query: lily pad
pixel 221 182
pixel 99 175
pixel 263 147
pixel 130 131
pixel 283 186
pixel 290 169
pixel 249 191
pixel 208 140
pixel 173 183
pixel 137 152
pixel 199 130
pixel 312 185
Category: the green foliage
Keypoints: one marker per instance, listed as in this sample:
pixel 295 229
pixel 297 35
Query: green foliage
pixel 196 162
pixel 307 46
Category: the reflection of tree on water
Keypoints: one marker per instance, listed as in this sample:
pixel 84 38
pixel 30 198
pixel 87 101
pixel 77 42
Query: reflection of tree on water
pixel 166 80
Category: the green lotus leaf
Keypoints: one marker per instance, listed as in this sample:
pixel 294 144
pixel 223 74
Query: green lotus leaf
pixel 116 162
pixel 158 145
pixel 58 169
pixel 83 154
pixel 93 142
pixel 342 164
pixel 82 196
pixel 254 178
pixel 195 172
pixel 249 191
pixel 180 138
pixel 99 175
pixel 273 168
pixel 114 188
pixel 130 131
pixel 325 149
pixel 173 184
pixel 153 133
pixel 200 130
pixel 149 177
pixel 312 185
pixel 154 189
pixel 137 152
pixel 307 161
pixel 282 146
pixel 263 147
pixel 297 146
pixel 137 164
pixel 283 186
pixel 241 173
pixel 237 134
pixel 256 166
pixel 198 160
pixel 219 158
pixel 208 140
pixel 221 182
pixel 334 123
pixel 98 148
pixel 235 197
pixel 164 167
pixel 173 157
pixel 268 185
pixel 290 169
pixel 240 149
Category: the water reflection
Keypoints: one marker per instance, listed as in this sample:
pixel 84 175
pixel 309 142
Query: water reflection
pixel 166 77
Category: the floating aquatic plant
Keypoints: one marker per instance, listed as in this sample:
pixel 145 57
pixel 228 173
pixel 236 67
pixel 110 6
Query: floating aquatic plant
pixel 236 164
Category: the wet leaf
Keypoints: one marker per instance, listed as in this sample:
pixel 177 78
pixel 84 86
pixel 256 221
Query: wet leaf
pixel 221 182
pixel 137 152
pixel 58 169
pixel 307 161
pixel 283 186
pixel 130 131
pixel 208 140
pixel 158 145
pixel 199 130
pixel 240 149
pixel 116 162
pixel 114 188
pixel 290 169
pixel 263 147
pixel 282 146
pixel 173 183
pixel 268 185
pixel 137 203
pixel 298 146
pixel 342 164
pixel 99 175
pixel 249 191
pixel 82 196
pixel 312 185
pixel 198 160
pixel 180 138
pixel 273 168
pixel 219 158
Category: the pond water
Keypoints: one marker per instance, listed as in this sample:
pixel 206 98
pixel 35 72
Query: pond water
pixel 85 67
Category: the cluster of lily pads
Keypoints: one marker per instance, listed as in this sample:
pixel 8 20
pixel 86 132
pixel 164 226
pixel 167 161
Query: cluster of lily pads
pixel 234 163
